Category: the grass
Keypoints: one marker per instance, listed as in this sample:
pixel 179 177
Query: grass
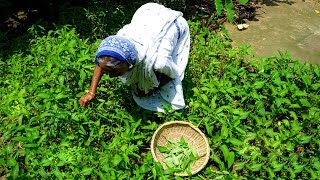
pixel 261 117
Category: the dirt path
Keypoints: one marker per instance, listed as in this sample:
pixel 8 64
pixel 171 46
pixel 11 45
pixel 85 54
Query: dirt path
pixel 291 25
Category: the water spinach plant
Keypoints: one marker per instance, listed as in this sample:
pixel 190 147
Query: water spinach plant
pixel 179 156
pixel 261 117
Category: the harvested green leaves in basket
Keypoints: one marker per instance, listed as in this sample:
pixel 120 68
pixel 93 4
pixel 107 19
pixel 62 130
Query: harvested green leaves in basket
pixel 179 156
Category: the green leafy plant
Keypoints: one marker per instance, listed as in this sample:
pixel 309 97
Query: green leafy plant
pixel 179 156
pixel 226 6
pixel 261 117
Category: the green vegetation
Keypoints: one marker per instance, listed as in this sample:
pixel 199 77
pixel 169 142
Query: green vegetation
pixel 261 117
pixel 179 156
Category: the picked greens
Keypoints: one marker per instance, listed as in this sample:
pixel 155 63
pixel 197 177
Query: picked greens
pixel 179 156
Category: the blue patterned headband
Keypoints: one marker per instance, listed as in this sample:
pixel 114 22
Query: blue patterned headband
pixel 118 47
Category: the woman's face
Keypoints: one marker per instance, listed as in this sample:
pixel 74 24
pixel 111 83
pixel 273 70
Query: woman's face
pixel 113 67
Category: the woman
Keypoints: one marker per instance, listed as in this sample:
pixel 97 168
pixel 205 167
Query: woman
pixel 150 54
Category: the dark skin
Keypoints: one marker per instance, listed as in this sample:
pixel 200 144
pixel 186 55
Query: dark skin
pixel 102 68
pixel 164 80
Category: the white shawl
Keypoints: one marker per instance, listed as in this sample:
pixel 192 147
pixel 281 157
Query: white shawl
pixel 162 39
pixel 148 26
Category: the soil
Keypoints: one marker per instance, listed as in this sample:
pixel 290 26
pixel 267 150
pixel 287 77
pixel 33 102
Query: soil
pixel 292 26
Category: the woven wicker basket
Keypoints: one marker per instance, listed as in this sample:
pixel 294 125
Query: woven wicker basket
pixel 193 136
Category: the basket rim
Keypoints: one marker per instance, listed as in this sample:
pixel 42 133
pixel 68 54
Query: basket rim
pixel 193 127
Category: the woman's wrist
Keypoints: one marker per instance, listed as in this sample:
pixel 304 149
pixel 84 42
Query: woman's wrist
pixel 92 93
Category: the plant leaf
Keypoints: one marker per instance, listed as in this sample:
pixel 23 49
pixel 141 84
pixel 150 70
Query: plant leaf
pixel 244 1
pixel 86 171
pixel 116 160
pixel 219 6
pixel 230 159
pixel 305 102
pixel 163 149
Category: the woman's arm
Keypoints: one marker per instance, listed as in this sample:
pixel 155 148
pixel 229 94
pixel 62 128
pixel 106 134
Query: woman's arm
pixel 162 78
pixel 97 73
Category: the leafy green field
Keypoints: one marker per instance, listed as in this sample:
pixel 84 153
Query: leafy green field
pixel 261 117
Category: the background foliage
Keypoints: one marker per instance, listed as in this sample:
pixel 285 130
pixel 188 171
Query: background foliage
pixel 96 19
pixel 261 117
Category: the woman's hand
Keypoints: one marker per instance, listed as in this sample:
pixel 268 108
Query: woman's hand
pixel 86 98
pixel 97 73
